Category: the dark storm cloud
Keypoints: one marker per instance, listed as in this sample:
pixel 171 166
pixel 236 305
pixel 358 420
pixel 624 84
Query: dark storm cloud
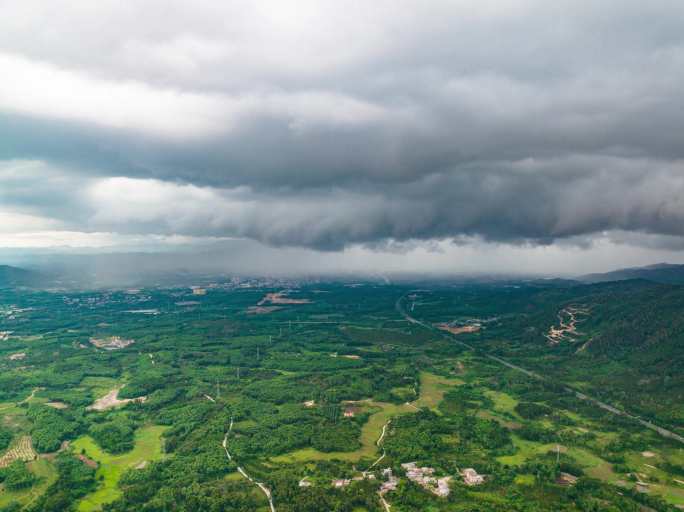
pixel 329 125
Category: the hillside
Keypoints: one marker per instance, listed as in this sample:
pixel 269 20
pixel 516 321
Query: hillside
pixel 626 344
pixel 15 276
pixel 659 273
pixel 629 345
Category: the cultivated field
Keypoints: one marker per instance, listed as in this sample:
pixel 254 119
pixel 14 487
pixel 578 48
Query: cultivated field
pixel 21 450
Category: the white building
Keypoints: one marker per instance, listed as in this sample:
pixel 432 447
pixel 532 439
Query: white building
pixel 471 477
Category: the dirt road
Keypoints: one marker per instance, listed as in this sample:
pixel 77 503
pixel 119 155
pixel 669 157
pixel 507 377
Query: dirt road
pixel 264 489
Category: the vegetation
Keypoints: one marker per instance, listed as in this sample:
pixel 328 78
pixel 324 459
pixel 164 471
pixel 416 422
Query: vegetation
pixel 337 389
pixel 16 476
pixel 5 438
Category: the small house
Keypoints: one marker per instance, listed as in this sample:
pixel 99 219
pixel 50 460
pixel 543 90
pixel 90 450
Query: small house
pixel 471 477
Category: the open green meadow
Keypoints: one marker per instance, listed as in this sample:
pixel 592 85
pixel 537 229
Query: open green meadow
pixel 147 449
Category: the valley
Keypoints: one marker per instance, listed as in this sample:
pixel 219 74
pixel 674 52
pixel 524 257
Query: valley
pixel 353 399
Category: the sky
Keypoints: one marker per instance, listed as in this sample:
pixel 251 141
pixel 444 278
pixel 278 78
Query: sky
pixel 440 136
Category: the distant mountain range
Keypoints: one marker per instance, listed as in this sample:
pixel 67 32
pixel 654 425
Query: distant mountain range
pixel 14 276
pixel 89 273
pixel 660 273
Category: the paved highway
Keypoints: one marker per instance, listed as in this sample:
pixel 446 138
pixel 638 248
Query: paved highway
pixel 582 396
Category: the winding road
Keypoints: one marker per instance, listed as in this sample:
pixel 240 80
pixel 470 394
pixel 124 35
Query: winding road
pixel 384 502
pixel 264 489
pixel 582 396
pixel 379 442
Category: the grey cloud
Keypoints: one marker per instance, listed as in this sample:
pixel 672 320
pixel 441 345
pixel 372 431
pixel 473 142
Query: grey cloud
pixel 532 201
pixel 516 122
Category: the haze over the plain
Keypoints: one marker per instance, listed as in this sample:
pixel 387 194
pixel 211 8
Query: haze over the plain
pixel 529 135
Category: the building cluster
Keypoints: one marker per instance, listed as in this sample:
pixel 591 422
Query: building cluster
pixel 425 478
pixel 390 484
pixel 344 482
pixel 471 477
pixel 566 479
pixel 12 312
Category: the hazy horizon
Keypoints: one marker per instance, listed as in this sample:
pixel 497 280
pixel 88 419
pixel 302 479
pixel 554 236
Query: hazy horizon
pixel 440 137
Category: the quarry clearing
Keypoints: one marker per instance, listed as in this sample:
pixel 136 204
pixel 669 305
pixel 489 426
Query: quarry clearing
pixel 568 318
pixel 111 343
pixel 57 405
pixel 458 329
pixel 281 298
pixel 112 400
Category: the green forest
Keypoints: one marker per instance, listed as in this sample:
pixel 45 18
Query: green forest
pixel 345 397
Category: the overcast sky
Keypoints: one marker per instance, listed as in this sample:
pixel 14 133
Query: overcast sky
pixel 412 135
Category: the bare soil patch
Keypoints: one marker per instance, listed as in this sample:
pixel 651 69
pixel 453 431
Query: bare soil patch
pixel 281 298
pixel 57 405
pixel 111 343
pixel 88 462
pixel 112 400
pixel 262 310
pixel 458 329
pixel 568 318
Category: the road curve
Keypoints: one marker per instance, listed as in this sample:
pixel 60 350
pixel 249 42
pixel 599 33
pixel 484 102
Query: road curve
pixel 264 489
pixel 582 396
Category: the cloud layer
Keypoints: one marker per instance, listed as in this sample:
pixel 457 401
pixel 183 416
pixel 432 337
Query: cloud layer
pixel 332 124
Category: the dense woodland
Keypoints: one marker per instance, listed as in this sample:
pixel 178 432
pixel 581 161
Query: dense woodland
pixel 339 388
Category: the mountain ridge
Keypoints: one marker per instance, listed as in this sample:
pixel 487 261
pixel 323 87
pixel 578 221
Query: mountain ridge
pixel 666 273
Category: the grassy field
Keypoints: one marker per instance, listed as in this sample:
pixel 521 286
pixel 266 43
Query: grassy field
pixel 370 433
pixel 502 402
pixel 148 447
pixel 671 493
pixel 598 468
pixel 13 416
pixel 99 386
pixel 648 467
pixel 593 465
pixel 7 408
pixel 46 474
pixel 525 450
pixel 524 479
pixel 432 389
